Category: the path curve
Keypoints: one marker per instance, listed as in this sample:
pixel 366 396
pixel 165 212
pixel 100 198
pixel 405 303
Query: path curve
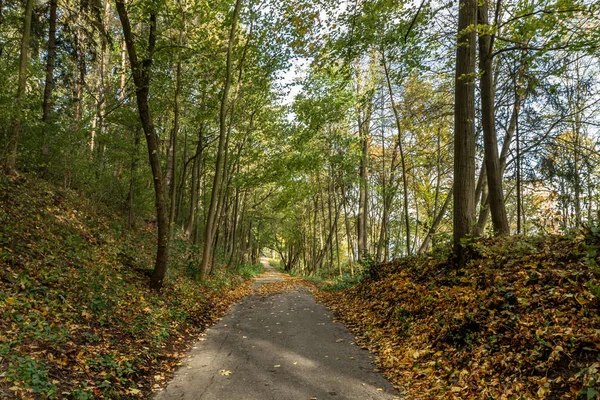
pixel 282 347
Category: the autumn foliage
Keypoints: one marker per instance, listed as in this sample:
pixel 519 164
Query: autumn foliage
pixel 519 322
pixel 77 317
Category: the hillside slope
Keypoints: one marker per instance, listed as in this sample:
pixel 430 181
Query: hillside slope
pixel 519 322
pixel 76 315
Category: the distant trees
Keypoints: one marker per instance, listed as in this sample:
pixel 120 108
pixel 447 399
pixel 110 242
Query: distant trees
pixel 398 141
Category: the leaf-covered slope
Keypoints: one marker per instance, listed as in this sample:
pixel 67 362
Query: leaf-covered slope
pixel 519 322
pixel 76 315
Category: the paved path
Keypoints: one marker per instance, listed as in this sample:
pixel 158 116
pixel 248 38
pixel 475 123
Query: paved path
pixel 270 275
pixel 283 347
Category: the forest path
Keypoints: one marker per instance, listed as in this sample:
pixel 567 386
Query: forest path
pixel 284 346
pixel 270 275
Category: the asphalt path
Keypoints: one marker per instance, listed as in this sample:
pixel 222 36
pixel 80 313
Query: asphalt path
pixel 284 346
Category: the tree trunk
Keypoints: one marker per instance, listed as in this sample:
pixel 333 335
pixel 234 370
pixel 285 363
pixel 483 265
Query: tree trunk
pixel 351 254
pixel 81 69
pixel 426 244
pixel 47 103
pixel 464 128
pixel 141 79
pixel 363 201
pixel 173 146
pixel 134 161
pixel 102 86
pixel 492 163
pixel 194 189
pixel 510 132
pixel 209 229
pixel 10 164
pixel 402 158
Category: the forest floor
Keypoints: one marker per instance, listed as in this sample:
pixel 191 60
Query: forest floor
pixel 278 345
pixel 77 317
pixel 520 321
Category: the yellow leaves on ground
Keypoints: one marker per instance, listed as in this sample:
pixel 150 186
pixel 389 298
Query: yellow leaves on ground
pixel 273 288
pixel 519 322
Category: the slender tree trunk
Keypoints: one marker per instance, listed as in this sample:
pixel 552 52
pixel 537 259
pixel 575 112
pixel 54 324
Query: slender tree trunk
pixel 141 79
pixel 209 229
pixel 382 242
pixel 47 103
pixel 102 87
pixel 10 163
pixel 351 254
pixel 134 161
pixel 402 158
pixel 123 71
pixel 492 162
pixel 182 180
pixel 173 146
pixel 484 213
pixel 234 223
pixel 194 189
pixel 510 132
pixel 332 225
pixel 428 240
pixel 518 166
pixel 337 219
pixel 464 128
pixel 363 201
pixel 81 69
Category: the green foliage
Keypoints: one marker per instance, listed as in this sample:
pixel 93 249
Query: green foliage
pixel 343 282
pixel 249 271
pixel 32 374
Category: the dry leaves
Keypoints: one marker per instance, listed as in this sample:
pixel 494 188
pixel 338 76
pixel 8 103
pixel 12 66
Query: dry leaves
pixel 519 322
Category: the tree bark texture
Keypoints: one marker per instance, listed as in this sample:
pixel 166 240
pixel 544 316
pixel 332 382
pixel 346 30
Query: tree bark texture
pixel 464 128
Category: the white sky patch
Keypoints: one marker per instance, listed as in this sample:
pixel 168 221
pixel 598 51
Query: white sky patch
pixel 291 83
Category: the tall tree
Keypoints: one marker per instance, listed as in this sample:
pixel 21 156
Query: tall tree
pixel 488 123
pixel 51 56
pixel 141 78
pixel 10 163
pixel 464 127
pixel 210 226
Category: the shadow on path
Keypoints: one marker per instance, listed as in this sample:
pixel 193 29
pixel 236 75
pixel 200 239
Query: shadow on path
pixel 280 347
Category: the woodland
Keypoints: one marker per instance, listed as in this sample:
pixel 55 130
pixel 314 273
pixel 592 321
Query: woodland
pixel 431 167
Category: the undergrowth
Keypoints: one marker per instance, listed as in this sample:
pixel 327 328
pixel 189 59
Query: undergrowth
pixel 76 315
